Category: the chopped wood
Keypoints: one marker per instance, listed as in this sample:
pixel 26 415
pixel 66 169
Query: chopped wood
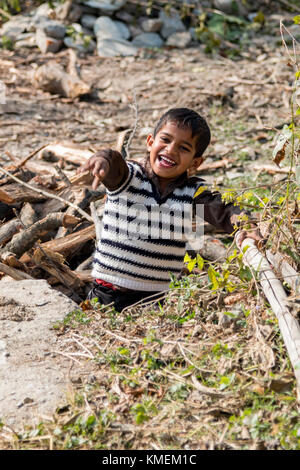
pixel 28 215
pixel 14 273
pixel 65 151
pixel 277 298
pixel 47 194
pixel 272 169
pixel 50 263
pixel 24 240
pixel 67 244
pixel 9 229
pixel 214 165
pixel 13 193
pixel 52 78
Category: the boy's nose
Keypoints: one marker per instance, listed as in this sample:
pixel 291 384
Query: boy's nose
pixel 172 148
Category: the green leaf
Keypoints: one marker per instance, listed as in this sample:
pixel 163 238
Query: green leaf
pixel 200 261
pixel 298 112
pixel 212 274
pixel 296 19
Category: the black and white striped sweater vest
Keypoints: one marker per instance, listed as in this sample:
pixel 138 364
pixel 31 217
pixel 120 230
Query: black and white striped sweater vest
pixel 142 239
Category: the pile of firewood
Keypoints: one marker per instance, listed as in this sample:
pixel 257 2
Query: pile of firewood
pixel 46 230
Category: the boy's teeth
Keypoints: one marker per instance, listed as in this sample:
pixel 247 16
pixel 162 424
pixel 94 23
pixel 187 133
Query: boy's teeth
pixel 167 160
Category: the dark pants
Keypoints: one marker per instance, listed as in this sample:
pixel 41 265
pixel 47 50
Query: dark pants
pixel 121 299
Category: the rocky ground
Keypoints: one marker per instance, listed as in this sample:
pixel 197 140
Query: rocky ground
pixel 246 102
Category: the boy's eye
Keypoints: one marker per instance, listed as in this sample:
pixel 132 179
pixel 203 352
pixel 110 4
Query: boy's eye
pixel 185 148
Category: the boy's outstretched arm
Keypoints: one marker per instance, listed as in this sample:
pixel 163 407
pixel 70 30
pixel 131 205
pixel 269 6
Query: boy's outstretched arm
pixel 225 216
pixel 108 167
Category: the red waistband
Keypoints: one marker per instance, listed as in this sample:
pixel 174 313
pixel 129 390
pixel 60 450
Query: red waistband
pixel 105 284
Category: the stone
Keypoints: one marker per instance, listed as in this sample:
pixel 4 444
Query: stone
pixel 135 30
pixel 126 34
pixel 88 21
pixel 53 28
pixel 68 11
pixel 81 44
pixel 47 44
pixel 15 26
pixel 152 25
pixel 124 16
pixel 108 6
pixel 27 40
pixel 171 24
pixel 148 40
pixel 180 40
pixel 110 47
pixel 105 27
pixel 231 7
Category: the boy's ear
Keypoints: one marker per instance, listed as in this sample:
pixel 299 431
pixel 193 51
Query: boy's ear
pixel 150 140
pixel 196 162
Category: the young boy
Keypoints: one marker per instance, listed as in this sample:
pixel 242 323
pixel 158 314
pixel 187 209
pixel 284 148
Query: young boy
pixel 128 266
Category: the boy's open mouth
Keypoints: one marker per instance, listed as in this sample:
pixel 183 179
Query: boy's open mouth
pixel 165 161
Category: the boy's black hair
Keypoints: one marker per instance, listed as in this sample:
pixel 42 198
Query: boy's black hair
pixel 186 118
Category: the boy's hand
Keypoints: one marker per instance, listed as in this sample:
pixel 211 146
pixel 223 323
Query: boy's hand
pixel 98 165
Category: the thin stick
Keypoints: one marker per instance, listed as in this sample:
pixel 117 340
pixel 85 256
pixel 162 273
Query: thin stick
pixel 135 107
pixel 49 195
pixel 22 162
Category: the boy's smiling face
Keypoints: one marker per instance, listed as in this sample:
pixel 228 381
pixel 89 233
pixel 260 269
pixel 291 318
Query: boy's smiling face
pixel 172 152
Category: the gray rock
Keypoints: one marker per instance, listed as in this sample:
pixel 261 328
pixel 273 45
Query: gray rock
pixel 126 34
pixel 46 43
pixel 88 21
pixel 44 10
pixel 81 44
pixel 108 6
pixel 135 30
pixel 67 12
pixel 53 28
pixel 180 40
pixel 15 26
pixel 231 7
pixel 193 33
pixel 152 25
pixel 105 27
pixel 27 40
pixel 171 24
pixel 124 16
pixel 110 47
pixel 148 40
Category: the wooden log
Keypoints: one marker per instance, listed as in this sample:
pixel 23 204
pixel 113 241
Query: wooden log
pixel 8 230
pixel 24 240
pixel 274 292
pixel 52 264
pixel 14 273
pixel 81 198
pixel 14 193
pixel 52 78
pixel 67 244
pixel 66 151
pixel 28 215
